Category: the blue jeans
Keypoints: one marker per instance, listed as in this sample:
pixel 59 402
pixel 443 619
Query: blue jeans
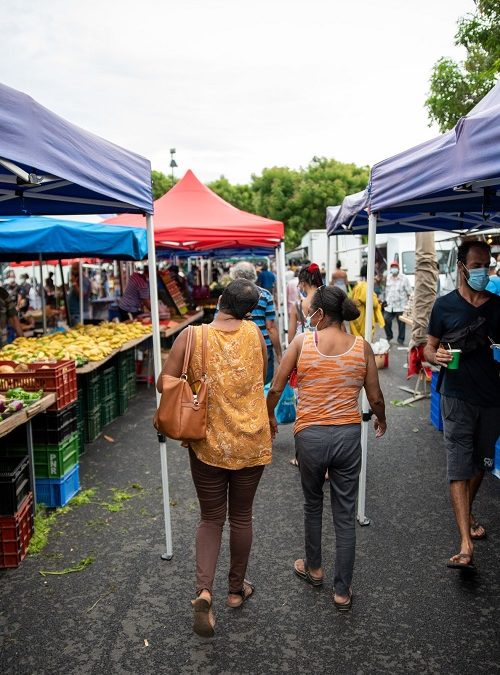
pixel 338 449
pixel 270 365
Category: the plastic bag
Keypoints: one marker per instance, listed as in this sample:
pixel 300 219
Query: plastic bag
pixel 285 410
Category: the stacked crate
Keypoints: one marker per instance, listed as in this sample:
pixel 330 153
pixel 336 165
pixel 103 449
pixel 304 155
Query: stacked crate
pixel 16 510
pixel 55 432
pixel 91 388
pixel 109 403
pixel 435 412
pixel 126 379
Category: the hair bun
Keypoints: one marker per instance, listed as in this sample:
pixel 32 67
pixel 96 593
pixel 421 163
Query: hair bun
pixel 349 310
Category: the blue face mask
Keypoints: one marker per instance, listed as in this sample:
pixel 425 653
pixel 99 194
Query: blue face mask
pixel 307 322
pixel 478 278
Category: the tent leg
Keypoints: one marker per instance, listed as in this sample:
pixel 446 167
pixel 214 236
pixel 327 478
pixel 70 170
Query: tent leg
pixel 372 230
pixel 279 303
pixel 328 274
pixel 80 282
pixel 42 294
pixel 155 320
pixel 283 281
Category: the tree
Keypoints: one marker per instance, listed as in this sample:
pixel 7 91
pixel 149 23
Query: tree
pixel 456 87
pixel 161 183
pixel 240 196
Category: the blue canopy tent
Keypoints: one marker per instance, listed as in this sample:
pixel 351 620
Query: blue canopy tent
pixel 48 166
pixel 28 238
pixel 451 182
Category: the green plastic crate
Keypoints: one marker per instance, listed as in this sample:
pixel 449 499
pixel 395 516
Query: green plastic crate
pixel 81 438
pixel 54 461
pixel 91 385
pixel 80 406
pixel 123 401
pixel 109 410
pixel 125 366
pixel 131 386
pixel 92 425
pixel 108 382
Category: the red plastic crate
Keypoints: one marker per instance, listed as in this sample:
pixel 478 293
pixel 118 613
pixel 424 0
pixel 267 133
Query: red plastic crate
pixel 58 377
pixel 15 534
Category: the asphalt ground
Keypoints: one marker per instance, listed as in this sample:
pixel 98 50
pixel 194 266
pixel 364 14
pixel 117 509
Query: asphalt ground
pixel 129 611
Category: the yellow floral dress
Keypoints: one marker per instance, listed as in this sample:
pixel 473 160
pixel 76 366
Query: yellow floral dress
pixel 238 433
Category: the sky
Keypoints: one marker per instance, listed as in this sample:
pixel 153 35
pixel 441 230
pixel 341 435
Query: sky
pixel 235 86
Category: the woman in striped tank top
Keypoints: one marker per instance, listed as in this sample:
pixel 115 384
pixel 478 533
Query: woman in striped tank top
pixel 332 368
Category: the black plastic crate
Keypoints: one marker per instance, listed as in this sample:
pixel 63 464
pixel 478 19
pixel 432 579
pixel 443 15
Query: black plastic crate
pixel 92 425
pixel 91 387
pixel 125 366
pixel 14 483
pixel 53 428
pixel 109 410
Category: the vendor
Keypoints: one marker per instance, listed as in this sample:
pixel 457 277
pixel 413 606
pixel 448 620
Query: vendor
pixel 8 315
pixel 136 296
pixel 74 295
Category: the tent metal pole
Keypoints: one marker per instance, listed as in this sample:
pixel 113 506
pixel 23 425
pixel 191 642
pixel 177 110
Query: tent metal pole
pixel 42 293
pixel 372 231
pixel 328 274
pixel 155 320
pixel 80 283
pixel 279 292
pixel 283 281
pixel 65 294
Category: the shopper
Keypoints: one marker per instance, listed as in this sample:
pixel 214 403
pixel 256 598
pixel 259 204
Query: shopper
pixel 339 277
pixel 309 282
pixel 227 465
pixel 332 368
pixel 136 298
pixel 74 295
pixel 467 319
pixel 397 294
pixel 8 317
pixel 264 315
pixel 266 279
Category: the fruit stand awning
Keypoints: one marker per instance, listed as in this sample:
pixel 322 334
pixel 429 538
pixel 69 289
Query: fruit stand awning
pixel 50 166
pixel 191 216
pixel 26 238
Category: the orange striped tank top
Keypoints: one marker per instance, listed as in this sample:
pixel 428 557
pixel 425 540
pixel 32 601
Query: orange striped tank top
pixel 329 386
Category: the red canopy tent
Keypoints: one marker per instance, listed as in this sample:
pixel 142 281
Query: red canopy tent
pixel 191 216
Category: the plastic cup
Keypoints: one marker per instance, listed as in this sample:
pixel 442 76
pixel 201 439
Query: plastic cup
pixel 453 364
pixel 496 352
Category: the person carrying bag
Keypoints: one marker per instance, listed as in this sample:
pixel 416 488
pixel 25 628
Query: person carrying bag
pixel 227 460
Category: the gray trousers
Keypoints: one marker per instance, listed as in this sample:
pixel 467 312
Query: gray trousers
pixel 338 449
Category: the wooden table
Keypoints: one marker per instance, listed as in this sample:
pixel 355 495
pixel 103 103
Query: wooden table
pixel 187 319
pixel 94 365
pixel 24 416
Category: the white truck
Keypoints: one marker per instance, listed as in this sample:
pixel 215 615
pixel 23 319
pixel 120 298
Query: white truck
pixel 314 247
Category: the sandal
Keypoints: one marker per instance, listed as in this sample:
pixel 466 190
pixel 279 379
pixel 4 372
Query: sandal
pixel 235 600
pixel 344 606
pixel 204 620
pixel 461 561
pixel 305 574
pixel 294 462
pixel 474 527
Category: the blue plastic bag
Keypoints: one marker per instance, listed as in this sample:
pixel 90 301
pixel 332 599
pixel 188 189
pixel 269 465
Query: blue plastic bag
pixel 285 410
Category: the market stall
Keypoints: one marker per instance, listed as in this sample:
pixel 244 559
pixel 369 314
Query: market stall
pixel 451 182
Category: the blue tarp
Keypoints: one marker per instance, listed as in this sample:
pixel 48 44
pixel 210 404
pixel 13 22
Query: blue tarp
pixel 437 184
pixel 61 169
pixel 25 238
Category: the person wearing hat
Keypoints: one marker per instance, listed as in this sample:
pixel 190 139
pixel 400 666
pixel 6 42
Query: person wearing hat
pixel 397 293
pixel 494 281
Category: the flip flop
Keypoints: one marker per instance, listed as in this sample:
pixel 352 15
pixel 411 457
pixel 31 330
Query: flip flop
pixel 344 606
pixel 466 565
pixel 475 526
pixel 202 625
pixel 246 592
pixel 306 575
pixel 294 462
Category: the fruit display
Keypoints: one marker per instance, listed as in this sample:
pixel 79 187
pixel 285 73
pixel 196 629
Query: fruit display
pixel 81 344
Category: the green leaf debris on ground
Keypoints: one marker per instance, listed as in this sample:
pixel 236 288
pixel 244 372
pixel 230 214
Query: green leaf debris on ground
pixel 120 496
pixel 83 497
pixel 83 564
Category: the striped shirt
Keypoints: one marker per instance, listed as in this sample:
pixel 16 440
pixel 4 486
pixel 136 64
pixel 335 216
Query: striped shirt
pixel 264 312
pixel 136 292
pixel 329 386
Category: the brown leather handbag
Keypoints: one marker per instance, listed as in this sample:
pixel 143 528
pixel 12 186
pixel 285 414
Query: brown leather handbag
pixel 182 413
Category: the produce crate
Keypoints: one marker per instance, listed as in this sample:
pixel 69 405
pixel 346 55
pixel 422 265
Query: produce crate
pixel 93 425
pixel 15 534
pixel 108 382
pixel 54 461
pixel 53 428
pixel 14 483
pixel 109 410
pixel 132 386
pixel 81 438
pixel 125 366
pixel 80 406
pixel 54 492
pixel 123 399
pixel 58 377
pixel 91 386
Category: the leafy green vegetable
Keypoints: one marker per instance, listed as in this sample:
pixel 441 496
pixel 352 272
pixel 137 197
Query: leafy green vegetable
pixel 19 394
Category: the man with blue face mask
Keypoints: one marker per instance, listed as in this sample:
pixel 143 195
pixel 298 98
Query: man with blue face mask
pixel 467 319
pixel 397 294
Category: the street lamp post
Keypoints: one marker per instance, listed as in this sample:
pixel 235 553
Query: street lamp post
pixel 173 163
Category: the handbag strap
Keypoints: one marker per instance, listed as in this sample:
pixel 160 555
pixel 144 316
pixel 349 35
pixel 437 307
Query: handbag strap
pixel 187 352
pixel 204 341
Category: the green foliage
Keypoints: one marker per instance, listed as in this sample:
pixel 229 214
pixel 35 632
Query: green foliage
pixel 161 183
pixel 455 88
pixel 240 196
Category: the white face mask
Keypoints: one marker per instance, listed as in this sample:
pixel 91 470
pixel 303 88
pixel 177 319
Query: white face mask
pixel 307 322
pixel 394 271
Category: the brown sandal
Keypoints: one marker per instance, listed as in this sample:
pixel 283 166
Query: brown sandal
pixel 204 620
pixel 235 600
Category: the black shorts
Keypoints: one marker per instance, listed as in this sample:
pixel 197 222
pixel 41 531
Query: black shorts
pixel 470 435
pixel 125 316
